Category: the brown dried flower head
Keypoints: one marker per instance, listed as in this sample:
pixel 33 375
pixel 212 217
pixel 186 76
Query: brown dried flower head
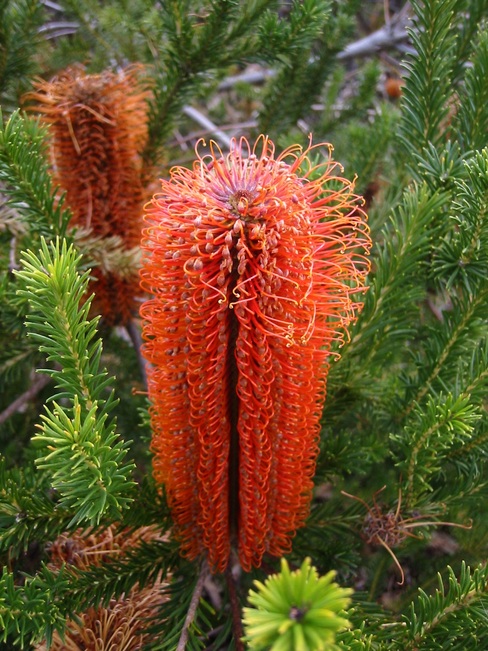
pixel 122 624
pixel 98 127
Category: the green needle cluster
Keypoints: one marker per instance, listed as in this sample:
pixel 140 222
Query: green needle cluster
pixel 296 611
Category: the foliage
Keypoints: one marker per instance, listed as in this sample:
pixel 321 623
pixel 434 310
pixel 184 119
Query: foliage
pixel 295 611
pixel 27 182
pixel 81 451
pixel 401 484
pixel 20 23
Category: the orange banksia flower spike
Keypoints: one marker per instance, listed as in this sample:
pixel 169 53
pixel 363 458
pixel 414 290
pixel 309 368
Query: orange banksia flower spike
pixel 256 265
pixel 98 127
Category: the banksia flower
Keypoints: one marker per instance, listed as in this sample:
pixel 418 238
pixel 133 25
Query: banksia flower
pixel 255 264
pixel 98 126
pixel 121 624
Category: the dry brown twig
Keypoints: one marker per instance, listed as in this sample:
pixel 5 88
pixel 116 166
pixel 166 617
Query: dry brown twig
pixel 19 403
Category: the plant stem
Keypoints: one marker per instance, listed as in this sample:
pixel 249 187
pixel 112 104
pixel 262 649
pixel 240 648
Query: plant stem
pixel 235 608
pixel 195 600
pixel 37 385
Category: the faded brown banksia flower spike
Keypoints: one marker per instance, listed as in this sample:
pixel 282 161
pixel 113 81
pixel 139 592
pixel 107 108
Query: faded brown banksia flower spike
pixel 98 127
pixel 256 265
pixel 122 623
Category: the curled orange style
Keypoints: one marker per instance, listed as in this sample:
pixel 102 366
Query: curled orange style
pixel 255 265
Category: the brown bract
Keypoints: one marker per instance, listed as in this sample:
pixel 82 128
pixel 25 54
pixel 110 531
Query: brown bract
pixel 256 265
pixel 98 127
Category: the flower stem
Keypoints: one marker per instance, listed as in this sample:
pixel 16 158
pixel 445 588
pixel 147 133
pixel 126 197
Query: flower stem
pixel 237 629
pixel 195 600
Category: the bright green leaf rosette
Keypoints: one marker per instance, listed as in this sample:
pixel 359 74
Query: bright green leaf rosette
pixel 296 611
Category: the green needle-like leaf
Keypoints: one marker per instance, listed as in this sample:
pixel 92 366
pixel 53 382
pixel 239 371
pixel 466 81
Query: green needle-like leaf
pixel 79 447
